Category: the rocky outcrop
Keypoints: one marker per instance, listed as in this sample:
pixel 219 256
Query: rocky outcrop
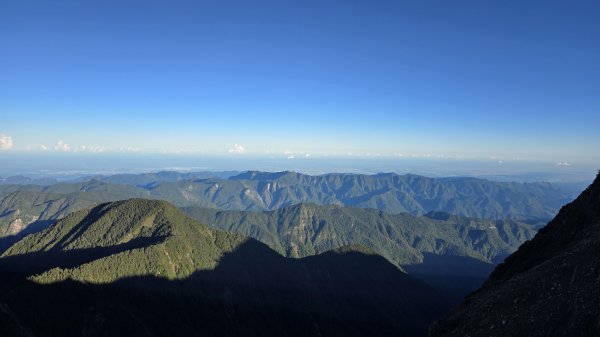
pixel 549 287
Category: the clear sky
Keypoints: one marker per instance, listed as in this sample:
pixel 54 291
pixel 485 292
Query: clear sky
pixel 506 80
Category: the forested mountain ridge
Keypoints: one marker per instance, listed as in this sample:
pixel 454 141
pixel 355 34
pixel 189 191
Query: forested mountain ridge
pixel 308 229
pixel 113 269
pixel 120 224
pixel 25 209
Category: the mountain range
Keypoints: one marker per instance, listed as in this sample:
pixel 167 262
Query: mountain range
pixel 300 215
pixel 141 267
pixel 75 263
pixel 534 203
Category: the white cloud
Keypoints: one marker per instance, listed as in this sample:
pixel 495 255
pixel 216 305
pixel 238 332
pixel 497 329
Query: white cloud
pixel 42 147
pixel 563 164
pixel 92 149
pixel 306 155
pixel 237 149
pixel 288 152
pixel 62 146
pixel 291 156
pixel 130 149
pixel 6 142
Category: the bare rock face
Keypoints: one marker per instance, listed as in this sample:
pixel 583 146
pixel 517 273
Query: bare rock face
pixel 549 287
pixel 15 226
pixel 18 223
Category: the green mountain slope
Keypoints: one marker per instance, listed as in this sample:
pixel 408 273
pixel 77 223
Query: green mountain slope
pixel 190 246
pixel 141 267
pixel 308 229
pixel 549 287
pixel 437 247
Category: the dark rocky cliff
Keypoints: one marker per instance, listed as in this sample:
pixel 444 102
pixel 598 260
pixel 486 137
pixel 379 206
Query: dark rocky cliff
pixel 549 287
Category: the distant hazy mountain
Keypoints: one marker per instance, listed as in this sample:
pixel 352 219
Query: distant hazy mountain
pixel 549 287
pixel 453 253
pixel 136 179
pixel 534 203
pixel 531 202
pixel 142 179
pixel 23 180
pixel 141 267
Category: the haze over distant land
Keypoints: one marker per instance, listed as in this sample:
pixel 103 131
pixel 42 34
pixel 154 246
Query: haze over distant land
pixel 73 165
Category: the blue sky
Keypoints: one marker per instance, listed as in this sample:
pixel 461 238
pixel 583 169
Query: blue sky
pixel 498 80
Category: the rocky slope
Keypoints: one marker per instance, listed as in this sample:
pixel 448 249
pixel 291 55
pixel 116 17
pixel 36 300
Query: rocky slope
pixel 549 287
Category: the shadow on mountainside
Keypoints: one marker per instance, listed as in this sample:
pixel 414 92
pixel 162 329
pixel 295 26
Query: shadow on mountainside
pixel 252 292
pixel 39 225
pixel 17 267
pixel 32 228
pixel 453 276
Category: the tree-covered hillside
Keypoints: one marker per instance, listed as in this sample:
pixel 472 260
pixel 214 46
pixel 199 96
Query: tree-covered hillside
pixel 453 253
pixel 116 268
pixel 309 229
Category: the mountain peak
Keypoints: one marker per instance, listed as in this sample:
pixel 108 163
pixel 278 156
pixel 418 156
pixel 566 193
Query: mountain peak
pixel 155 234
pixel 103 225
